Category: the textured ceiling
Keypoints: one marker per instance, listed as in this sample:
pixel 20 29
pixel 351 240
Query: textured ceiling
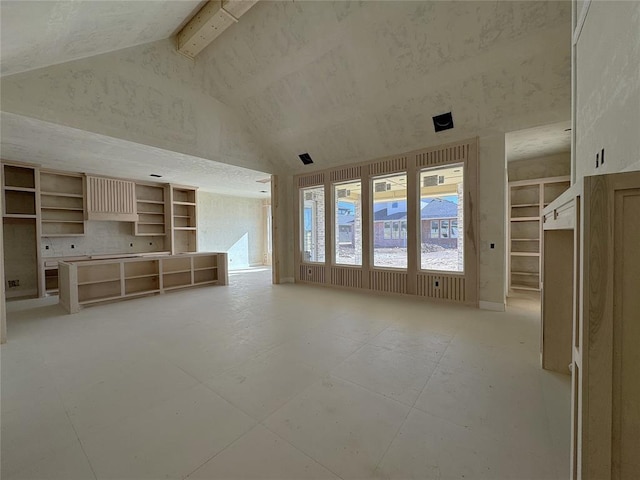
pixel 63 148
pixel 352 81
pixel 539 141
pixel 344 81
pixel 35 34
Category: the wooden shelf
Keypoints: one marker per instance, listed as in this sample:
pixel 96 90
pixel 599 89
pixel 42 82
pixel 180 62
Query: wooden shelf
pixel 525 239
pixel 526 254
pixel 525 219
pixel 190 204
pixel 534 274
pixel 525 205
pixel 185 228
pixel 154 202
pixel 525 287
pixel 19 215
pixel 94 281
pixel 73 209
pixel 59 194
pixel 20 189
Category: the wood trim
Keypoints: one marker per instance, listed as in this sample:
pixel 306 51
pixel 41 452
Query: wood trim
pixel 390 280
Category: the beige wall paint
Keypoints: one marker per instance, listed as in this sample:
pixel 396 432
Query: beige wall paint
pixel 540 167
pixel 608 88
pixel 234 225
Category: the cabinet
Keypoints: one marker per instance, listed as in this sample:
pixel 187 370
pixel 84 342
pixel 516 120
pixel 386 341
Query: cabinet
pixel 21 230
pixel 61 204
pixel 527 199
pixel 183 219
pixel 90 282
pixel 152 210
pixel 111 199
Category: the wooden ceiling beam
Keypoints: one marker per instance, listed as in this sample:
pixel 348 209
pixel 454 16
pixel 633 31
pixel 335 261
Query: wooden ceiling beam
pixel 210 21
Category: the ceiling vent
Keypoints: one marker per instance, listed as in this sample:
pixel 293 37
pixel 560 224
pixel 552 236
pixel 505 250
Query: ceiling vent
pixel 443 122
pixel 306 158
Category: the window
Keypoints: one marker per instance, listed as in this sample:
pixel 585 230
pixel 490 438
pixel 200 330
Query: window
pixel 348 223
pixel 387 230
pixel 389 214
pixel 313 233
pixel 435 229
pixel 444 228
pixel 441 211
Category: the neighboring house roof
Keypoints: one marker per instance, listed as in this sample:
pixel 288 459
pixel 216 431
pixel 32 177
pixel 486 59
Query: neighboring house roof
pixel 436 208
pixel 384 215
pixel 346 219
pixel 439 208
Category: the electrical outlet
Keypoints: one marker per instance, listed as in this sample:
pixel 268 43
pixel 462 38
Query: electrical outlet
pixel 602 157
pixel 493 245
pixel 436 283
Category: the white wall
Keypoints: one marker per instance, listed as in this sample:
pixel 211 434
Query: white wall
pixel 540 167
pixel 608 88
pixel 101 238
pixel 234 225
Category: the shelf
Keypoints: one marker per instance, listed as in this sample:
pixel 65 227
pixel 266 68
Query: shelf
pixel 19 189
pixel 204 268
pixel 99 299
pixel 150 213
pixel 62 221
pixel 523 287
pixel 189 204
pixel 142 276
pixel 526 254
pixel 59 194
pixel 525 239
pixel 185 228
pixel 140 293
pixel 525 219
pixel 19 215
pixel 94 282
pixel 525 205
pixel 531 274
pixel 176 271
pixel 74 209
pixel 150 223
pixel 52 235
pixel 156 202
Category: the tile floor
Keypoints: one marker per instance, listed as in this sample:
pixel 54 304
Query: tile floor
pixel 281 382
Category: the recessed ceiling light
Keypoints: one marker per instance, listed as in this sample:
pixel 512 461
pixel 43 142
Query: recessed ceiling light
pixel 155 175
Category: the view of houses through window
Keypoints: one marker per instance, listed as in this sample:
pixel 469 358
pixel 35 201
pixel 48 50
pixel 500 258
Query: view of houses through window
pixel 313 231
pixel 348 223
pixel 441 211
pixel 390 221
pixel 441 214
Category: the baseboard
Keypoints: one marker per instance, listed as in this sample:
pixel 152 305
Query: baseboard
pixel 287 280
pixel 21 293
pixel 493 306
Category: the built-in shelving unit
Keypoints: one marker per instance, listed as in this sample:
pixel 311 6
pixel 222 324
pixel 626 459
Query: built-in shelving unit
pixel 62 204
pixel 21 229
pixel 152 211
pixel 183 219
pixel 527 198
pixel 85 283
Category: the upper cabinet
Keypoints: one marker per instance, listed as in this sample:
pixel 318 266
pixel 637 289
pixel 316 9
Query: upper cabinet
pixel 183 220
pixel 62 204
pixel 19 191
pixel 111 199
pixel 152 211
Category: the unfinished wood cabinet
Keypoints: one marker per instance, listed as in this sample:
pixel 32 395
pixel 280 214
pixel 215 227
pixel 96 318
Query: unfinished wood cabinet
pixel 606 354
pixel 527 199
pixel 152 210
pixel 21 230
pixel 183 219
pixel 62 204
pixel 86 283
pixel 111 199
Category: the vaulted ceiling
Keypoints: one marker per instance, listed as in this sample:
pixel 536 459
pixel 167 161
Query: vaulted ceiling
pixel 344 81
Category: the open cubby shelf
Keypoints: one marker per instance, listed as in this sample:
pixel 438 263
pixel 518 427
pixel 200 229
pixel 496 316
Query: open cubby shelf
pixel 527 198
pixel 94 281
